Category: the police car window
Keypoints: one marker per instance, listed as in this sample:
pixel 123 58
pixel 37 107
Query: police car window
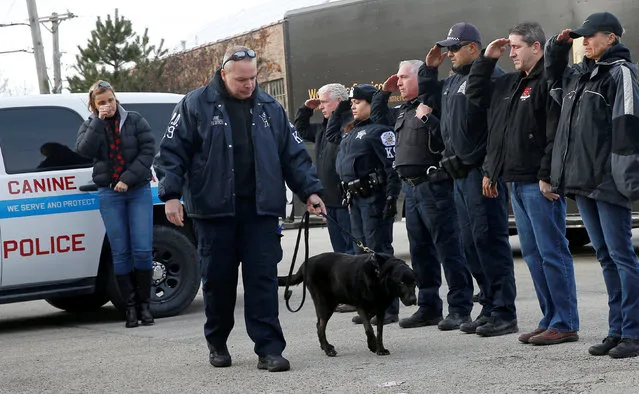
pixel 157 114
pixel 35 139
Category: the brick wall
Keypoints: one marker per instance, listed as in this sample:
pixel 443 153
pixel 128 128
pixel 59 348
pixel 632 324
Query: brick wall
pixel 188 70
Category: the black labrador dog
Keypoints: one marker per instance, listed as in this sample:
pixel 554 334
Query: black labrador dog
pixel 369 282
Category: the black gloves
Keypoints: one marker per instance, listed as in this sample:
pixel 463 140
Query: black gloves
pixel 390 210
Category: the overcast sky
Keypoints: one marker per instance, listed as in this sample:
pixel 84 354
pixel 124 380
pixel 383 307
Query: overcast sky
pixel 172 20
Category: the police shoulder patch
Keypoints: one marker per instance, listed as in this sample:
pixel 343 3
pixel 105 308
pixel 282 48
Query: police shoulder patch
pixel 388 138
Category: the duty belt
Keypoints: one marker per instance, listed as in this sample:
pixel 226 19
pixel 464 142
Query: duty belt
pixel 363 187
pixel 432 174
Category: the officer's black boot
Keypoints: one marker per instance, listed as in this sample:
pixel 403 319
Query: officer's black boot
pixel 127 292
pixel 143 280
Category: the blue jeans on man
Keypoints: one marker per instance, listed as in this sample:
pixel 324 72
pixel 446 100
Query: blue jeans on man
pixel 340 240
pixel 435 241
pixel 484 225
pixel 128 220
pixel 609 227
pixel 541 225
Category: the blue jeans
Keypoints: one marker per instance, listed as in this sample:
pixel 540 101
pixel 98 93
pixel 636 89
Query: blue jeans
pixel 369 227
pixel 340 241
pixel 609 228
pixel 128 219
pixel 541 225
pixel 223 243
pixel 435 240
pixel 484 225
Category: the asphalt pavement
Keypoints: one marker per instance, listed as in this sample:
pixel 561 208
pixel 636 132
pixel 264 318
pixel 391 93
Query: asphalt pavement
pixel 44 350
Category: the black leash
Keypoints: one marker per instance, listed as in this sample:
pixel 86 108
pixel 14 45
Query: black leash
pixel 357 242
pixel 305 225
pixel 287 292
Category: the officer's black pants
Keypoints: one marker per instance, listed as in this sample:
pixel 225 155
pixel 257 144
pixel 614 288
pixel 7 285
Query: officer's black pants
pixel 484 225
pixel 222 244
pixel 369 226
pixel 435 241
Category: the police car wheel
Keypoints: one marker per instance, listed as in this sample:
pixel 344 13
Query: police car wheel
pixel 79 304
pixel 176 272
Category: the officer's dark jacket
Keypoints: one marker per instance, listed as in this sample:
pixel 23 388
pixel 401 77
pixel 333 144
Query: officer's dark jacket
pixel 195 159
pixel 463 125
pixel 367 148
pixel 138 148
pixel 418 144
pixel 522 120
pixel 596 152
pixel 325 153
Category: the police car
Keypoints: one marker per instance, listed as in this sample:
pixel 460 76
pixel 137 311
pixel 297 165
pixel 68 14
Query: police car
pixel 53 242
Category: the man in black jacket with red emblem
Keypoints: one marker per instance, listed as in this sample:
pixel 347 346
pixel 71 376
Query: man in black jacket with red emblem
pixel 522 119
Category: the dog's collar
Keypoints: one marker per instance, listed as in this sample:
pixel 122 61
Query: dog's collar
pixel 378 270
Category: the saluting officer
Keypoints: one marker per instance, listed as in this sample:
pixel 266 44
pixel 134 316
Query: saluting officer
pixel 431 217
pixel 365 167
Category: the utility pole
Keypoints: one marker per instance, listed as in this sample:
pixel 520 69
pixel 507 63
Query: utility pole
pixel 55 20
pixel 38 48
pixel 57 77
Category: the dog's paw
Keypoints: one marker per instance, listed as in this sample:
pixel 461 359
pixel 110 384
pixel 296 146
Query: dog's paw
pixel 383 352
pixel 329 350
pixel 372 345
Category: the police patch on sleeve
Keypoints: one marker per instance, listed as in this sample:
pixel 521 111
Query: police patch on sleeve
pixel 388 138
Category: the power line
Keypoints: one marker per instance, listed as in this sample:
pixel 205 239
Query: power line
pixel 15 50
pixel 14 24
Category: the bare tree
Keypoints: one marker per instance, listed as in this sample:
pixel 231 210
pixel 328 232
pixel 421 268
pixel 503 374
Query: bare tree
pixel 191 69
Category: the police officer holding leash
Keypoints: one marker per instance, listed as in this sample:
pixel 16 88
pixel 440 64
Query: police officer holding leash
pixel 431 217
pixel 227 151
pixel 371 185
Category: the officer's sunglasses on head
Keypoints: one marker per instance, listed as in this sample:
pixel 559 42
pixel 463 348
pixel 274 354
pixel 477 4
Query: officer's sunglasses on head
pixel 240 55
pixel 455 48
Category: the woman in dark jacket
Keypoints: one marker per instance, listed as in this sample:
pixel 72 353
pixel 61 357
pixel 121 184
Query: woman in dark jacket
pixel 365 167
pixel 595 160
pixel 122 148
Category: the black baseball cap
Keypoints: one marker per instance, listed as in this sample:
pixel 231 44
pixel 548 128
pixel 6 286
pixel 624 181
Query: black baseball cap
pixel 600 21
pixel 363 92
pixel 461 31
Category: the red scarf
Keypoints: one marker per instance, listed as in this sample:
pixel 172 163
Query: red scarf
pixel 115 142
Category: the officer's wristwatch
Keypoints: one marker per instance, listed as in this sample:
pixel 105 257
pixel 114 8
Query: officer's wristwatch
pixel 424 118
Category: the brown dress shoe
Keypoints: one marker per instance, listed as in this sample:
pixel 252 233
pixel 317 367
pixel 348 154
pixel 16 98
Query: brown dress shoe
pixel 525 338
pixel 552 337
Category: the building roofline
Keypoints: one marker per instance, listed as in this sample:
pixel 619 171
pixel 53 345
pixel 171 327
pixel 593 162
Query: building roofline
pixel 313 8
pixel 278 22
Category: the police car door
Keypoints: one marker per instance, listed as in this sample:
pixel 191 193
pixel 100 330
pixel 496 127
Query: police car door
pixel 50 230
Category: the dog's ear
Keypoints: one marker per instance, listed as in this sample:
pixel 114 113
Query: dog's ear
pixel 382 258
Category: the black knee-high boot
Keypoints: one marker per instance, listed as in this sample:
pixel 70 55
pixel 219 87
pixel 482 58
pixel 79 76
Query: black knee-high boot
pixel 143 280
pixel 127 291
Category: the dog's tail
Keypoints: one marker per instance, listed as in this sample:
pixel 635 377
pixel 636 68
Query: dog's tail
pixel 293 280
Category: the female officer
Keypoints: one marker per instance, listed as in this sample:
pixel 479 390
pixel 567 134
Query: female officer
pixel 122 147
pixel 365 166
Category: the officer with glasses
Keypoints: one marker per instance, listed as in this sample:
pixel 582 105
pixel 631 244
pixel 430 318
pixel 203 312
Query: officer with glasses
pixel 483 220
pixel 227 151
